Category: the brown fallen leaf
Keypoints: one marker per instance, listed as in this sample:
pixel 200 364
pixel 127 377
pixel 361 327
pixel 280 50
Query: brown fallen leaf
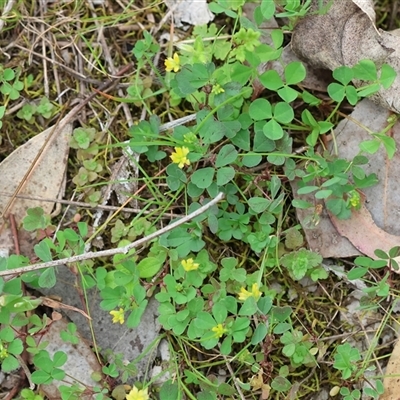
pixel 35 169
pixel 47 301
pixel 391 383
pixel 363 233
pixel 383 199
pixel 345 35
pixel 44 179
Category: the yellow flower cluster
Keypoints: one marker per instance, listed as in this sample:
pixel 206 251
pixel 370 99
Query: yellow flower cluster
pixel 118 316
pixel 179 156
pixel 189 265
pixel 136 394
pixel 219 330
pixel 173 63
pixel 245 294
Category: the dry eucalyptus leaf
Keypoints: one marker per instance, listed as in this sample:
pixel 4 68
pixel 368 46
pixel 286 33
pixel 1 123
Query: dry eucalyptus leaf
pixel 378 225
pixel 382 199
pixel 47 175
pixel 367 6
pixel 345 35
pixel 392 382
pixel 193 12
pixel 363 233
pixel 342 36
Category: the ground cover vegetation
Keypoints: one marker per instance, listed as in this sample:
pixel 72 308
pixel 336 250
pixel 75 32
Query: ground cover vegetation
pixel 233 284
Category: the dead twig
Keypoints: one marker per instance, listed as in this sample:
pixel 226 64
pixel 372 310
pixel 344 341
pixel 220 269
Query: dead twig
pixel 120 250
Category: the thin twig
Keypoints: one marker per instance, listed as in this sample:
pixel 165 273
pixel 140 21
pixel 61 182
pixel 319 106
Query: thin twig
pixel 120 250
pixel 238 388
pixel 87 205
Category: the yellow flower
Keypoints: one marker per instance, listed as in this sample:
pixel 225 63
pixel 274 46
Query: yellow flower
pixel 255 292
pixel 136 394
pixel 217 89
pixel 3 352
pixel 219 330
pixel 355 199
pixel 118 316
pixel 189 265
pixel 179 156
pixel 172 63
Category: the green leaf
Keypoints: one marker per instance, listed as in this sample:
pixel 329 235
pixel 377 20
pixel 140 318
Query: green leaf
pixel 260 109
pixel 205 321
pixel 227 155
pixel 59 359
pixel 169 391
pixel 271 80
pixel 280 314
pixel 267 9
pixel 388 76
pixel 307 189
pixel 353 95
pixel 356 273
pixel 47 278
pixel 149 267
pixel 264 304
pixel 8 74
pixel 203 177
pixel 259 334
pixel 225 175
pixel 175 177
pixel 281 384
pixel 135 316
pixel 35 219
pixel 336 92
pixel 240 73
pixel 41 377
pixel 259 204
pixel 261 144
pixel 272 130
pixel 9 364
pixel 370 146
pixel 302 204
pixel 295 72
pixel 219 312
pixel 343 74
pixel 389 143
pixel 283 113
pixel 42 250
pixel 288 94
pixel 365 70
pixel 16 347
pixel 323 194
pixel 249 307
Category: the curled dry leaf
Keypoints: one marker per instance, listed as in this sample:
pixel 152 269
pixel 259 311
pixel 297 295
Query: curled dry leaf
pixel 47 301
pixel 345 35
pixel 363 233
pixel 193 12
